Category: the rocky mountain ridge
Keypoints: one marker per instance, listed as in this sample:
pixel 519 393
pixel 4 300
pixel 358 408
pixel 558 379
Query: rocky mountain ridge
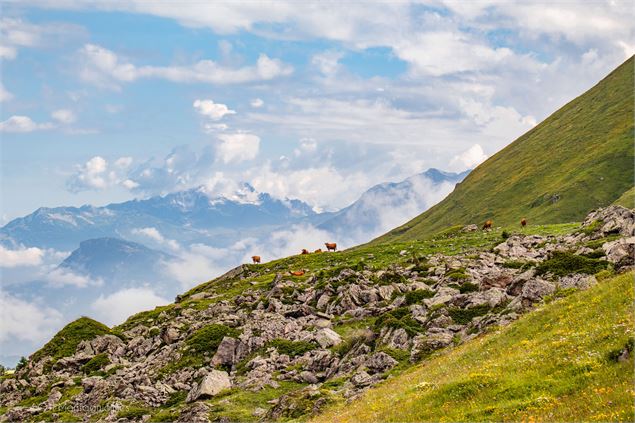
pixel 257 343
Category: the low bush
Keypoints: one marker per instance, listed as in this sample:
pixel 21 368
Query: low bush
pixel 399 318
pixel 96 363
pixel 456 274
pixel 468 287
pixel 562 263
pixel 415 297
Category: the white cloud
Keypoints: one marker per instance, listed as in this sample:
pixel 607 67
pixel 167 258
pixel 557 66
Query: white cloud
pixel 60 277
pixel 22 257
pixel 22 320
pixel 22 124
pixel 17 33
pixel 256 103
pixel 64 116
pixel 327 62
pixel 156 236
pixel 97 174
pixel 237 147
pixel 214 111
pixel 469 159
pixel 117 307
pixel 4 94
pixel 198 264
pixel 104 68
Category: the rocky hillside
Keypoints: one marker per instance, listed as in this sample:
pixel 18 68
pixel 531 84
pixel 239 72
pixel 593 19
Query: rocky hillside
pixel 261 343
pixel 578 159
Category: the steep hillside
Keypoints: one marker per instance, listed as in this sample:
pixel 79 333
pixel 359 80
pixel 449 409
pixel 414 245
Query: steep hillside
pixel 261 342
pixel 579 158
pixel 548 366
pixel 627 199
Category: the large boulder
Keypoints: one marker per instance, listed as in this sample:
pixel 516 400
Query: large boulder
pixel 226 352
pixel 621 251
pixel 612 219
pixel 327 338
pixel 212 384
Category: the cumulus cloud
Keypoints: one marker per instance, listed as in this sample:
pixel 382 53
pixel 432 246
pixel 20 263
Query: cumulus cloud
pixel 4 94
pixel 21 257
pixel 237 147
pixel 214 111
pixel 256 103
pixel 16 33
pixel 104 68
pixel 26 321
pixel 117 307
pixel 22 124
pixel 469 159
pixel 157 237
pixel 64 116
pixel 97 174
pixel 199 263
pixel 60 277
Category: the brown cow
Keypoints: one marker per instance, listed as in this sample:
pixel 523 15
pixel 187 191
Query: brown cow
pixel 319 250
pixel 304 251
pixel 523 222
pixel 256 259
pixel 330 246
pixel 488 224
pixel 297 272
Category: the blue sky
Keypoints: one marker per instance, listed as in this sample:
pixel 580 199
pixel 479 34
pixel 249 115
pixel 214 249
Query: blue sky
pixel 107 101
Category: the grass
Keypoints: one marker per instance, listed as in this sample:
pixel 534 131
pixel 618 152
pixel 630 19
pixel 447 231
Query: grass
pixel 65 342
pixel 557 363
pixel 199 347
pixel 627 199
pixel 578 159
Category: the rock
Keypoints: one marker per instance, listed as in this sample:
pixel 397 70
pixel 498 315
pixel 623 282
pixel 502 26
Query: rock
pixel 323 302
pixel 194 413
pixel 327 338
pixel 308 377
pixel 226 352
pixel 380 362
pixel 470 228
pixel 403 253
pixel 443 296
pixel 621 251
pixel 577 281
pixel 212 384
pixel 536 289
pixel 169 335
pixel 397 338
pixel 361 379
pixel 614 219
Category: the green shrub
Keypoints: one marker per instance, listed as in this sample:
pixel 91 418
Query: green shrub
pixel 464 316
pixel 399 318
pixel 96 363
pixel 562 263
pixel 598 253
pixel 391 277
pixel 175 399
pixel 615 354
pixel 593 226
pixel 132 412
pixel 291 348
pixel 468 287
pixel 415 297
pixel 65 342
pixel 456 274
pixel 208 338
pixel 604 274
pixel 23 362
pixel 154 332
pixel 515 264
pixel 505 235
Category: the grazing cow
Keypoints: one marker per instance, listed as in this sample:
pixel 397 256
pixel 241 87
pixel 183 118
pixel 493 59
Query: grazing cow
pixel 523 222
pixel 304 251
pixel 297 272
pixel 330 246
pixel 256 259
pixel 488 224
pixel 319 250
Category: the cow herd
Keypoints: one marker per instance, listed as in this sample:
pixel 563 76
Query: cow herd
pixel 332 246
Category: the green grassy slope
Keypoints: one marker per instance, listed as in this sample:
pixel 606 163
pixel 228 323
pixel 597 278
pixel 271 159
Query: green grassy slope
pixel 627 199
pixel 66 340
pixel 558 363
pixel 582 155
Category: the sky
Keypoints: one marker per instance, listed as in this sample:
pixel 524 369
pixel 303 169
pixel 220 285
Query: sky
pixel 105 101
